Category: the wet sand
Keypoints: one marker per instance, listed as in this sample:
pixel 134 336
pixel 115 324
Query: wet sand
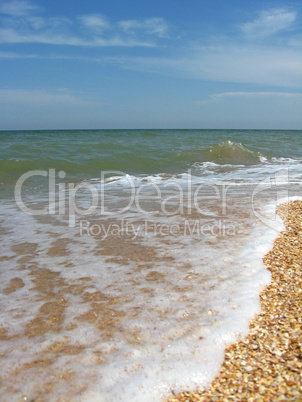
pixel 267 365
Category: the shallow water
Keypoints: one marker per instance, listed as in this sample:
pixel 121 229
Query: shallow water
pixel 132 282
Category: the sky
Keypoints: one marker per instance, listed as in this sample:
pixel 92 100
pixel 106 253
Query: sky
pixel 116 64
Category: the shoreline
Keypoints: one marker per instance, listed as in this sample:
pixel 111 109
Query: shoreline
pixel 267 364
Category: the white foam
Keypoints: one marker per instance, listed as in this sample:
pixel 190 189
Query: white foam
pixel 167 339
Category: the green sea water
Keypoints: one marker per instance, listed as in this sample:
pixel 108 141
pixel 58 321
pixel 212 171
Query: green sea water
pixel 83 154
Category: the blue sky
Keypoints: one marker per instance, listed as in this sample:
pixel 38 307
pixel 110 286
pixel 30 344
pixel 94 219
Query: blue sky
pixel 160 64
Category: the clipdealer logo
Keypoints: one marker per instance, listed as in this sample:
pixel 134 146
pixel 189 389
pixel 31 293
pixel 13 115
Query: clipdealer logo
pixel 62 197
pixel 167 199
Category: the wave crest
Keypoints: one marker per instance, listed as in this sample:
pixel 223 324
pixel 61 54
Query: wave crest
pixel 230 153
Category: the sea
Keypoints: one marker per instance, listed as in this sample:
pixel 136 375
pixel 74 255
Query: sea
pixel 130 259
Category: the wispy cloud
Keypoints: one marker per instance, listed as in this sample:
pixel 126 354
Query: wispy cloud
pixel 269 22
pixel 95 22
pixel 152 26
pixel 233 63
pixel 227 59
pixel 253 94
pixel 248 94
pixel 59 39
pixel 12 55
pixel 22 23
pixel 18 8
pixel 244 64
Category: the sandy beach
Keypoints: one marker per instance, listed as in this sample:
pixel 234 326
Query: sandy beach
pixel 267 365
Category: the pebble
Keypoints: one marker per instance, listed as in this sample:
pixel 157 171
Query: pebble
pixel 267 366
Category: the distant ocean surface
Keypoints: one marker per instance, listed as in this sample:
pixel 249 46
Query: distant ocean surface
pixel 131 258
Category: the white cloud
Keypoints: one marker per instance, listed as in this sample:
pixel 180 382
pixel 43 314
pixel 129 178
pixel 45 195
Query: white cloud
pixel 269 22
pixel 53 38
pixel 156 26
pixel 12 36
pixel 129 25
pixel 247 94
pixel 37 22
pixel 22 24
pixel 95 22
pixel 17 8
pixel 281 67
pixel 250 64
pixel 222 60
pixel 12 55
pixel 153 26
pixel 253 94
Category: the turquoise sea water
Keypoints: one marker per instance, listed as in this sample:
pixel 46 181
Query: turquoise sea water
pixel 131 258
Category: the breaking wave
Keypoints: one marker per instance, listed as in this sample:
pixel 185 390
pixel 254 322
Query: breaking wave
pixel 231 153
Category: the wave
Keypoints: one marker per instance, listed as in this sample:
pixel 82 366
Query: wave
pixel 224 153
pixel 231 153
pixel 86 160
